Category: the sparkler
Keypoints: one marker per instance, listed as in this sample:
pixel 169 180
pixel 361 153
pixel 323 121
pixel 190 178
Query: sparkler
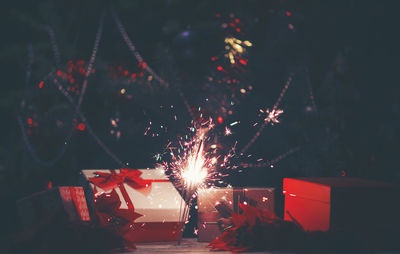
pixel 194 170
pixel 194 163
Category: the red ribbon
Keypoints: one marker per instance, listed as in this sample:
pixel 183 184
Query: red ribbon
pixel 109 181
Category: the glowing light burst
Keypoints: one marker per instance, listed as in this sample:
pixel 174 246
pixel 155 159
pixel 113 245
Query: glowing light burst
pixel 195 169
pixel 193 163
pixel 197 161
pixel 272 116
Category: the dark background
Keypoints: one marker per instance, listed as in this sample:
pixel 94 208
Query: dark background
pixel 346 50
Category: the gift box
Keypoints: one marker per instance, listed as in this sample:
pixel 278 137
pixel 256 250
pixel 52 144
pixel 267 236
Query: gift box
pixel 141 205
pixel 61 204
pixel 322 204
pixel 215 206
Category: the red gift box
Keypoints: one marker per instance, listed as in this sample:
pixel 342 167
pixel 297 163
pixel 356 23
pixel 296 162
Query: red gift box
pixel 322 204
pixel 216 204
pixel 66 203
pixel 140 205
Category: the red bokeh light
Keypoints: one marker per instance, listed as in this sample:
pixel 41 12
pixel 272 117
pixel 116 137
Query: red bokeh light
pixel 81 126
pixel 244 62
pixel 142 65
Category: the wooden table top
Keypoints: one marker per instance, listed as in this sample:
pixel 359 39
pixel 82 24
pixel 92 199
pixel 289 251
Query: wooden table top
pixel 188 245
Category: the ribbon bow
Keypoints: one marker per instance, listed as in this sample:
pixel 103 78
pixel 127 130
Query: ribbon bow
pixel 108 204
pixel 109 181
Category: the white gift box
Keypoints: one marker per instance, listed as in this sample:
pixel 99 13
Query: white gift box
pixel 160 204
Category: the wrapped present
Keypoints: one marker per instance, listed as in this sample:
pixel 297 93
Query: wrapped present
pixel 140 205
pixel 322 204
pixel 62 204
pixel 215 206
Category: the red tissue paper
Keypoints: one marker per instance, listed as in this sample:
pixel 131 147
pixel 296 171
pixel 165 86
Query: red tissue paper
pixel 256 230
pixel 216 204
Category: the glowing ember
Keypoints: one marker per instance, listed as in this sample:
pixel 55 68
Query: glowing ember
pixel 272 116
pixel 227 131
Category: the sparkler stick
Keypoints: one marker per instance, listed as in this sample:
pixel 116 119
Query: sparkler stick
pixel 182 218
pixel 180 229
pixel 193 173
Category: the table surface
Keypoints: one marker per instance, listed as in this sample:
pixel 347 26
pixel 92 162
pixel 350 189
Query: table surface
pixel 188 245
pixel 192 246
